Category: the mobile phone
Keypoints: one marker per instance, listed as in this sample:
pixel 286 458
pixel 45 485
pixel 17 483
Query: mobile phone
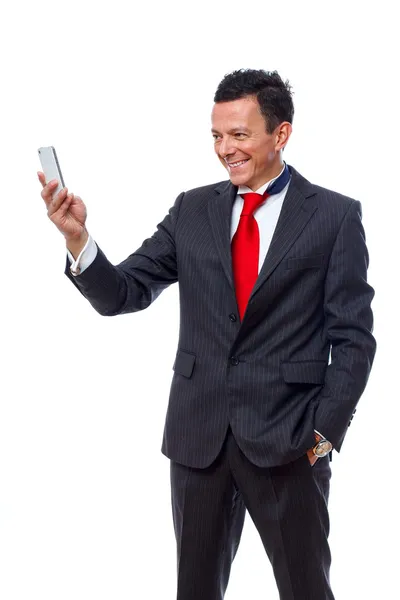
pixel 51 166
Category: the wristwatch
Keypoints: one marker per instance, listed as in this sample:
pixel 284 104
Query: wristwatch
pixel 322 447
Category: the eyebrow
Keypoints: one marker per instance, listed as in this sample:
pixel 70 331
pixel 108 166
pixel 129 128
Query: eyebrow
pixel 233 130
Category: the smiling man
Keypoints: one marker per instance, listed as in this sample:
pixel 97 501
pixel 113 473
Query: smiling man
pixel 272 271
pixel 245 143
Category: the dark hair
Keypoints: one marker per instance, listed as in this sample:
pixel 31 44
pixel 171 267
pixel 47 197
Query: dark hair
pixel 273 94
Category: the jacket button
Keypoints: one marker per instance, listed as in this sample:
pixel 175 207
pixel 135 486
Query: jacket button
pixel 234 361
pixel 233 317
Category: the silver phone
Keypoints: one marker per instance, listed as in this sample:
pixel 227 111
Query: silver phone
pixel 51 166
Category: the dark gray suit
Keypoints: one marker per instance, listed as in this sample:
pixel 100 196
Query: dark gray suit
pixel 268 378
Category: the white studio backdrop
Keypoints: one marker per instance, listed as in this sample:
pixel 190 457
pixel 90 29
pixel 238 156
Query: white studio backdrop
pixel 124 92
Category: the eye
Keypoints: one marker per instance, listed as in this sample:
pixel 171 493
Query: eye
pixel 215 136
pixel 240 135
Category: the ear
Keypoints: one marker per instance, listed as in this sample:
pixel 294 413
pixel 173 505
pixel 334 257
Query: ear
pixel 283 133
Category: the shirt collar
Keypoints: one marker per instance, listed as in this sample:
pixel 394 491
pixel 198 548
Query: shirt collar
pixel 243 189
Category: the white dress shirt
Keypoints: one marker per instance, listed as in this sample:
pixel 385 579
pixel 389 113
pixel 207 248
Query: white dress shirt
pixel 266 215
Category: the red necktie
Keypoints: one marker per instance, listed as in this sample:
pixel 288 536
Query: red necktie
pixel 246 250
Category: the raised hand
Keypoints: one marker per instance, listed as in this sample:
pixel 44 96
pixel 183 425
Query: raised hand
pixel 66 211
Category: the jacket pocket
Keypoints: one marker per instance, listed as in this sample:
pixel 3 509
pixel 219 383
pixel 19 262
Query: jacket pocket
pixel 184 363
pixel 305 262
pixel 305 371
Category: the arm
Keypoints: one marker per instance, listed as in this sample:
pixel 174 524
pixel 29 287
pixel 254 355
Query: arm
pixel 136 282
pixel 348 326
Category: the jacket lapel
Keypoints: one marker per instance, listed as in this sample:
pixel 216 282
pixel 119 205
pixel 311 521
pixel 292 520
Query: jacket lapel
pixel 297 209
pixel 220 212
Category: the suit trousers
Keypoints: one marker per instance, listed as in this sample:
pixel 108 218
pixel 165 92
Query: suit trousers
pixel 288 505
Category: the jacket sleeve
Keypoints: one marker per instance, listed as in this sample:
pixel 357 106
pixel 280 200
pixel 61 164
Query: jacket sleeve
pixel 348 325
pixel 135 283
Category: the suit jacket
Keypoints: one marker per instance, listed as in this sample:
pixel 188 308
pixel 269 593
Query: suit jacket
pixel 270 376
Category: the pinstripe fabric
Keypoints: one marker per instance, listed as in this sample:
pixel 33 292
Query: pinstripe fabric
pixel 268 376
pixel 288 505
pixel 208 513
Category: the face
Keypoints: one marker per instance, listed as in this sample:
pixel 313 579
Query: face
pixel 250 154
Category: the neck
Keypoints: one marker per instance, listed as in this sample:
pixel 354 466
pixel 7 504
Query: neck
pixel 272 173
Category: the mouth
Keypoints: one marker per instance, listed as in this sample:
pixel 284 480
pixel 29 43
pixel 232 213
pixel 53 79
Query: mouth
pixel 236 166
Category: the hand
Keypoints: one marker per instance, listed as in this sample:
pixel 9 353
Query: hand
pixel 66 211
pixel 311 456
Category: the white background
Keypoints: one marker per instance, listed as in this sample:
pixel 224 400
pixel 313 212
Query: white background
pixel 124 92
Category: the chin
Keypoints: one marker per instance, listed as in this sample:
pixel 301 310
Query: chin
pixel 239 180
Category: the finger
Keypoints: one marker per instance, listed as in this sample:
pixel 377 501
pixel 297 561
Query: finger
pixel 48 191
pixel 56 202
pixel 42 178
pixel 62 209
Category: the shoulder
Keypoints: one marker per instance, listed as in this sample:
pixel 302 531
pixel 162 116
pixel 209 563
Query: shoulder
pixel 196 200
pixel 330 197
pixel 205 191
pixel 326 198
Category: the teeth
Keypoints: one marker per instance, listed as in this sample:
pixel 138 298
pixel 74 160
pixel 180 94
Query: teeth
pixel 237 163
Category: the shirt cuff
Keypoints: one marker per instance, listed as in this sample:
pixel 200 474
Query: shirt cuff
pixel 85 258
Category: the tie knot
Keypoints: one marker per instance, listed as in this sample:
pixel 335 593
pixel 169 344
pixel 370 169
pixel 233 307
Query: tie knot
pixel 252 201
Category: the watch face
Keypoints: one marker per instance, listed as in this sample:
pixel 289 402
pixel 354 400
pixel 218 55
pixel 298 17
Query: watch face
pixel 323 448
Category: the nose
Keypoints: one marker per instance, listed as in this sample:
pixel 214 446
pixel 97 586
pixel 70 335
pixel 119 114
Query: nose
pixel 226 147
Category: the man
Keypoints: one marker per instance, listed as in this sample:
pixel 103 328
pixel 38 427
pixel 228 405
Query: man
pixel 272 273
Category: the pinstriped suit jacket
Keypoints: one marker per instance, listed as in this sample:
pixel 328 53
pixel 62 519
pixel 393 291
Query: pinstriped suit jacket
pixel 267 376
